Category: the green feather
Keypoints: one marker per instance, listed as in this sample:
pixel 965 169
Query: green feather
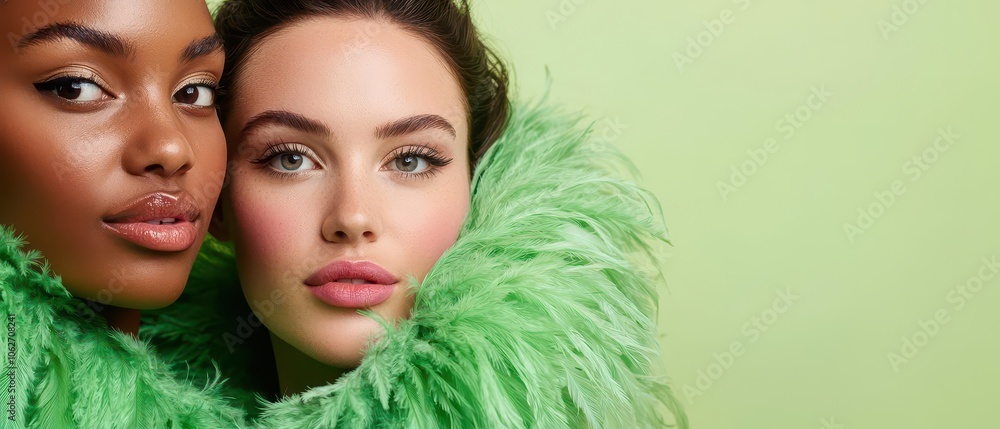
pixel 73 371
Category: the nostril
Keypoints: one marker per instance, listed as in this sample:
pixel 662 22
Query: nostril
pixel 160 169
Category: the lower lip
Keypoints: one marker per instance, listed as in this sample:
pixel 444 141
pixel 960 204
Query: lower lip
pixel 350 295
pixel 164 238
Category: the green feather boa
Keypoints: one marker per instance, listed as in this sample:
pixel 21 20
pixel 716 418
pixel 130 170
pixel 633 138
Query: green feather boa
pixel 71 371
pixel 541 315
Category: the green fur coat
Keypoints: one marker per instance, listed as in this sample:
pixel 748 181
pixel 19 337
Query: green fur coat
pixel 541 315
pixel 64 368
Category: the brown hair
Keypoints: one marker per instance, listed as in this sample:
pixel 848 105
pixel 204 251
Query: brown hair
pixel 446 25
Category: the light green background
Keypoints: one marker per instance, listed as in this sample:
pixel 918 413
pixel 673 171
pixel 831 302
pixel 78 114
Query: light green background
pixel 824 360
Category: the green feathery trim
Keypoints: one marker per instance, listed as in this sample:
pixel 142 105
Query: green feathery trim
pixel 72 371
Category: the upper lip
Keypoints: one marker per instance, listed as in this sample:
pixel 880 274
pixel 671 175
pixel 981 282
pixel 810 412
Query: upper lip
pixel 363 270
pixel 157 205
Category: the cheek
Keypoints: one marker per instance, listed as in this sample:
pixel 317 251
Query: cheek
pixel 432 226
pixel 54 162
pixel 444 230
pixel 275 228
pixel 62 162
pixel 209 145
pixel 262 229
pixel 49 171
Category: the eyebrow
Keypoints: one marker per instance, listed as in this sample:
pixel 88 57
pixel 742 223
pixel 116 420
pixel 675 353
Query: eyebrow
pixel 413 124
pixel 202 47
pixel 296 121
pixel 100 40
pixel 286 119
pixel 109 43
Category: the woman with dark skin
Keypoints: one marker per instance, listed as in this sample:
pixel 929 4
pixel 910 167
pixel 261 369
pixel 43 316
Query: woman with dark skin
pixel 111 160
pixel 111 127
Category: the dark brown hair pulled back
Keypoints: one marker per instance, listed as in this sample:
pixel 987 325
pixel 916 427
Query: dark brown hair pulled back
pixel 446 24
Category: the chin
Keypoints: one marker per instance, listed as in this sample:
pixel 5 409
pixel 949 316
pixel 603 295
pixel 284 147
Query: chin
pixel 347 357
pixel 146 293
pixel 344 361
pixel 155 283
pixel 153 301
pixel 344 351
pixel 161 293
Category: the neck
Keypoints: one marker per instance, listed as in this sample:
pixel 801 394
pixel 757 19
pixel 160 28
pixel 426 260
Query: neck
pixel 297 372
pixel 122 319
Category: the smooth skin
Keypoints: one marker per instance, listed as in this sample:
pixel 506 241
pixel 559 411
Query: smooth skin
pixel 108 101
pixel 331 182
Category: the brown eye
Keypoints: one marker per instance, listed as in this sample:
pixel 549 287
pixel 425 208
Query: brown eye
pixel 72 89
pixel 196 95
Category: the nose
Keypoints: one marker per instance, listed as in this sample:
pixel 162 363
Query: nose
pixel 352 217
pixel 159 146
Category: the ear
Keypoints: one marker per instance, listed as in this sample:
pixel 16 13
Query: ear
pixel 217 225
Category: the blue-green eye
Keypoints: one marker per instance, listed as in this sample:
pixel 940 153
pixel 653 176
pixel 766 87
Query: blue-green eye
pixel 413 162
pixel 410 164
pixel 291 162
pixel 286 158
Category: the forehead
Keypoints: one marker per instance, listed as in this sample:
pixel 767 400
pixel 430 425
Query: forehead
pixel 149 22
pixel 347 69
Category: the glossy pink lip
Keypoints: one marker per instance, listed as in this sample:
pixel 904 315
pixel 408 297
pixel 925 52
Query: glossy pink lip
pixel 329 285
pixel 158 221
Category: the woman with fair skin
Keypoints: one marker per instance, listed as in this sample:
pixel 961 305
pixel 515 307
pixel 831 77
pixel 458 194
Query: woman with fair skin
pixel 352 176
pixel 111 160
pixel 411 273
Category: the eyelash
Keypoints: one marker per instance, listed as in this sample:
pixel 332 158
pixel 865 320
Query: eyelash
pixel 275 150
pixel 206 83
pixel 53 82
pixel 50 83
pixel 433 158
pixel 424 151
pixel 210 84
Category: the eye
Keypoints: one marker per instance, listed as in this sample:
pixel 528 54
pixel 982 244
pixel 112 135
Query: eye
pixel 76 89
pixel 199 95
pixel 292 162
pixel 410 164
pixel 415 162
pixel 286 158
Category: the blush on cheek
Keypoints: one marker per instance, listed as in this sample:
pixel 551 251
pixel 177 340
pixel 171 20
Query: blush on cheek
pixel 263 230
pixel 434 231
pixel 441 235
